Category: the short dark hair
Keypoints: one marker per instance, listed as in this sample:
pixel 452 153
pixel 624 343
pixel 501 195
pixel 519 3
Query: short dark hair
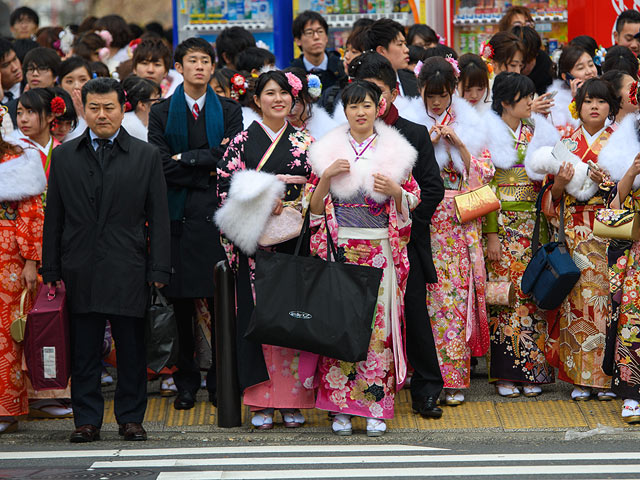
pixel 5 48
pixel 381 33
pixel 373 65
pixel 21 12
pixel 505 46
pixel 436 77
pixel 102 86
pixel 42 57
pixel 152 50
pixel 628 16
pixel 155 27
pixel 277 76
pixel 362 23
pixel 308 16
pixel 439 50
pixel 71 64
pixel 569 57
pixel 196 44
pixel 621 58
pixel 509 88
pixel 139 90
pixel 586 42
pixel 38 100
pixel 357 39
pixel 358 91
pixel 22 46
pixel 599 88
pixel 416 54
pixel 254 58
pixel 531 41
pixel 427 33
pixel 117 27
pixel 473 73
pixel 136 30
pixel 99 69
pixel 232 41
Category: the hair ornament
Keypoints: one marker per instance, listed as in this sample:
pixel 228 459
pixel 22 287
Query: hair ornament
pixel 486 50
pixel 3 111
pixel 314 85
pixel 418 68
pixel 454 64
pixel 573 109
pixel 633 93
pixel 65 40
pixel 440 39
pixel 106 36
pixel 58 107
pixel 382 106
pixel 133 44
pixel 598 56
pixel 239 86
pixel 294 83
pixel 103 54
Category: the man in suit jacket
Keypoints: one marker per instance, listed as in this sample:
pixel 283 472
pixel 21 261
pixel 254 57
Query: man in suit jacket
pixel 311 34
pixel 386 37
pixel 191 129
pixel 106 235
pixel 426 383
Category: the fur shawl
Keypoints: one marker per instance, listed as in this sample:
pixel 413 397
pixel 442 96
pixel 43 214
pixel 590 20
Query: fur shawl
pixel 134 126
pixel 560 114
pixel 393 156
pixel 500 140
pixel 22 177
pixel 467 125
pixel 251 199
pixel 619 152
pixel 320 122
pixel 249 116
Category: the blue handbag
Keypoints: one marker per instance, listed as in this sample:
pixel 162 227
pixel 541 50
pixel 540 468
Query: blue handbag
pixel 551 273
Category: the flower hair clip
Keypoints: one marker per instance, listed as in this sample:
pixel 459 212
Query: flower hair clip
pixel 133 44
pixel 486 50
pixel 418 68
pixel 440 39
pixel 454 64
pixel 314 85
pixel 633 93
pixel 294 82
pixel 127 104
pixel 382 106
pixel 58 107
pixel 573 109
pixel 239 86
pixel 103 54
pixel 106 36
pixel 598 56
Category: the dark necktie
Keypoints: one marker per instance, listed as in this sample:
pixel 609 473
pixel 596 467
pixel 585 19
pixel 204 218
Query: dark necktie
pixel 104 145
pixel 9 95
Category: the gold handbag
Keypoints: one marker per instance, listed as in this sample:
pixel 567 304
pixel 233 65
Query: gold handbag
pixel 500 293
pixel 618 224
pixel 475 204
pixel 20 323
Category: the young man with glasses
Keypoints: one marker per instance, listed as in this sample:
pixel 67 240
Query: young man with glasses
pixel 311 34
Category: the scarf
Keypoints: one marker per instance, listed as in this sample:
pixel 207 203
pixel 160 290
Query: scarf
pixel 392 116
pixel 177 136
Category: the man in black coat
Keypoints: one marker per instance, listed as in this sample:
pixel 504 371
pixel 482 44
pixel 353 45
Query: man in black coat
pixel 426 383
pixel 191 129
pixel 106 235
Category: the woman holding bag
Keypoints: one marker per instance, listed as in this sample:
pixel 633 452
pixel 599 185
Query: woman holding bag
pixel 361 193
pixel 22 181
pixel 263 172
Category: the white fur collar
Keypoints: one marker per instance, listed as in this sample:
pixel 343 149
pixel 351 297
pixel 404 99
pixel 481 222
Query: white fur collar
pixel 393 156
pixel 619 152
pixel 22 177
pixel 249 115
pixel 320 123
pixel 467 125
pixel 560 114
pixel 544 135
pixel 500 141
pixel 134 126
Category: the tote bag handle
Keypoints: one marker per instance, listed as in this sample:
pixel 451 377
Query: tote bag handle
pixel 306 226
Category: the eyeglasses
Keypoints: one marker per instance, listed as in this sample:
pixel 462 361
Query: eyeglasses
pixel 42 69
pixel 310 32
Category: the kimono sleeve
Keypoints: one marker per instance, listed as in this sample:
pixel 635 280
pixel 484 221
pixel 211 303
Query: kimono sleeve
pixel 29 224
pixel 231 162
pixel 481 170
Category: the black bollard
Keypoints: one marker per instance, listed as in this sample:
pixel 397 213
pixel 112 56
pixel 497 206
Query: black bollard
pixel 228 390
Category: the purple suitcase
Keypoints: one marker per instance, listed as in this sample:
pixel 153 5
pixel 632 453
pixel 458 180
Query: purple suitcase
pixel 46 344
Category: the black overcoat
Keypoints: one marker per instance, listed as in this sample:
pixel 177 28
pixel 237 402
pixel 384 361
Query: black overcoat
pixel 195 239
pixel 106 230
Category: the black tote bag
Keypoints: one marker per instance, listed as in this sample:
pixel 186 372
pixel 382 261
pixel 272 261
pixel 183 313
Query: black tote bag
pixel 318 306
pixel 162 333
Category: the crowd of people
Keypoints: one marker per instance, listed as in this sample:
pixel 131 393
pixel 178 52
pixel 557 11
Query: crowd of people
pixel 127 164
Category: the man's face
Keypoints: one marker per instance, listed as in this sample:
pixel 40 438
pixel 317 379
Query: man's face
pixel 396 52
pixel 10 70
pixel 25 27
pixel 314 39
pixel 103 113
pixel 626 37
pixel 153 70
pixel 196 68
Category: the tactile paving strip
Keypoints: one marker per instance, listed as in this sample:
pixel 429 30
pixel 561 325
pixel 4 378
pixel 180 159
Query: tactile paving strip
pixel 540 415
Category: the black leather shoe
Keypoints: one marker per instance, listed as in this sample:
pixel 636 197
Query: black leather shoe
pixel 132 432
pixel 184 401
pixel 85 434
pixel 427 407
pixel 213 398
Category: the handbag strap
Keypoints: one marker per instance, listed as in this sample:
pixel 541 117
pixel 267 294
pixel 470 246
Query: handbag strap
pixel 535 240
pixel 305 226
pixel 155 291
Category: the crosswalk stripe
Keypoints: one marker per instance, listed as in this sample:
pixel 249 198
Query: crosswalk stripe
pixel 164 452
pixel 429 472
pixel 366 459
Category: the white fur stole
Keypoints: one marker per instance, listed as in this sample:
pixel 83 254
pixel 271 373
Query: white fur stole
pixel 22 177
pixel 619 152
pixel 560 114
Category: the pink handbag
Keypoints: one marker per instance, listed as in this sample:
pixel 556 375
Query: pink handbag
pixel 47 348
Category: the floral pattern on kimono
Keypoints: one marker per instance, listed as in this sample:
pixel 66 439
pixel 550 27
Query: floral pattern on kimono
pixel 585 313
pixel 367 388
pixel 456 303
pixel 518 332
pixel 20 238
pixel 284 388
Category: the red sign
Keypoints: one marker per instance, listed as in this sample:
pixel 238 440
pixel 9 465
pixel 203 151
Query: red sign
pixel 597 18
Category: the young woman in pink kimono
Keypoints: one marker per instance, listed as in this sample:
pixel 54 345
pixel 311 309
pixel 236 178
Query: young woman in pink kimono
pixel 362 181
